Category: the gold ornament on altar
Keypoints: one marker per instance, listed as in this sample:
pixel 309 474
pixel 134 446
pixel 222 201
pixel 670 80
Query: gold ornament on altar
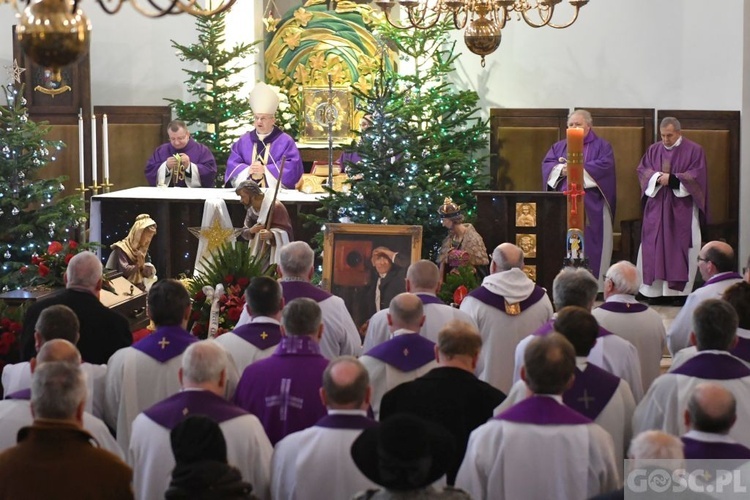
pixel 317 114
pixel 53 35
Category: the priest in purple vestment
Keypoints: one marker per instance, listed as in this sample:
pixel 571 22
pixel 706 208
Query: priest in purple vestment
pixel 283 390
pixel 196 166
pixel 674 183
pixel 257 154
pixel 599 184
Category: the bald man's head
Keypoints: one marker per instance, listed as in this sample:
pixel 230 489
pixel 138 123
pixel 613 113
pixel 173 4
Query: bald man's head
pixel 346 384
pixel 711 408
pixel 624 278
pixel 406 312
pixel 507 256
pixel 718 256
pixel 58 350
pixel 423 276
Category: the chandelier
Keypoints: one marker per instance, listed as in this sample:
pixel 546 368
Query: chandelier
pixel 482 19
pixel 55 33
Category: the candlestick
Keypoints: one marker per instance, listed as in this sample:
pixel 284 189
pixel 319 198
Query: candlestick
pixel 93 151
pixel 81 177
pixel 105 148
pixel 576 218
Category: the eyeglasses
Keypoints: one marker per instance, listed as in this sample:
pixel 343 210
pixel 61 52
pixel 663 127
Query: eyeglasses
pixel 701 259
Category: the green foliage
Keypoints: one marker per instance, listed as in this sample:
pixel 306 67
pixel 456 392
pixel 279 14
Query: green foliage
pixel 424 143
pixel 33 212
pixel 465 275
pixel 232 266
pixel 218 110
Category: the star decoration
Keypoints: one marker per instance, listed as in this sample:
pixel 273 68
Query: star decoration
pixel 15 71
pixel 215 234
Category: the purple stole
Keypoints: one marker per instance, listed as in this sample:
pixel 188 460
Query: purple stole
pixel 293 345
pixel 723 277
pixel 549 327
pixel 165 343
pixel 704 450
pixel 302 289
pixel 623 307
pixel 406 352
pixel 339 421
pixel 498 301
pixel 742 349
pixel 542 410
pixel 261 335
pixel 261 145
pixel 174 409
pixel 713 366
pixel 429 299
pixel 24 394
pixel 591 391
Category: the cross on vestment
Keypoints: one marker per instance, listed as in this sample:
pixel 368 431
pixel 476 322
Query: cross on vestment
pixel 406 352
pixel 185 411
pixel 163 343
pixel 263 335
pixel 284 399
pixel 586 399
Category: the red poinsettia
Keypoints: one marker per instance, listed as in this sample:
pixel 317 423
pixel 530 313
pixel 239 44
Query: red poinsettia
pixel 48 268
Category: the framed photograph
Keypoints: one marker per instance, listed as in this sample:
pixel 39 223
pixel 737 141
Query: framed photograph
pixel 366 264
pixel 315 114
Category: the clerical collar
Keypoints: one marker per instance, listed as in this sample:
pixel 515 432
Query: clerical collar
pixel 361 413
pixel 677 143
pixel 403 331
pixel 622 297
pixel 709 436
pixel 582 362
pixel 556 397
pixel 293 278
pixel 262 137
pixel 264 319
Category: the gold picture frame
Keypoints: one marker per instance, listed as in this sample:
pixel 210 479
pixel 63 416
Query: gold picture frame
pixel 314 127
pixel 350 263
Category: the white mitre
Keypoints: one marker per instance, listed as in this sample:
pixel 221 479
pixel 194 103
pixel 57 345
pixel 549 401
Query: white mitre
pixel 263 99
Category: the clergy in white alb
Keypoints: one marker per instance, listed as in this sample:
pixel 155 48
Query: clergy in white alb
pixel 627 318
pixel 15 409
pixel 541 448
pixel 145 373
pixel 423 280
pixel 506 308
pixel 596 394
pixel 316 463
pixel 258 338
pixel 716 263
pixel 203 378
pixel 340 335
pixel 663 406
pixel 404 357
pixel 577 287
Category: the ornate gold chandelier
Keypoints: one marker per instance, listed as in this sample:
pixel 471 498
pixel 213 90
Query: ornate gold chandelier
pixel 482 19
pixel 55 33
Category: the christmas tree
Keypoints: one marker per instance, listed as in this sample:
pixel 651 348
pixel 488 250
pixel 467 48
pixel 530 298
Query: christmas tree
pixel 34 217
pixel 219 110
pixel 425 142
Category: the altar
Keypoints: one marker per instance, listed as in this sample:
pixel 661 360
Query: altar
pixel 175 210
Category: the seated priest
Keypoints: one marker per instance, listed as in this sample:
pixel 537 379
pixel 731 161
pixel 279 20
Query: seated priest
pixel 182 162
pixel 260 209
pixel 257 155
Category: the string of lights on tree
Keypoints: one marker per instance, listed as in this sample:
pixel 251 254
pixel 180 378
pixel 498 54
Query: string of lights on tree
pixel 32 211
pixel 425 142
pixel 220 113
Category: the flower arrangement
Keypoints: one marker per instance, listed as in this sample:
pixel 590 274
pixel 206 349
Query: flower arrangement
pixel 218 293
pixel 458 283
pixel 10 330
pixel 48 269
pixel 287 116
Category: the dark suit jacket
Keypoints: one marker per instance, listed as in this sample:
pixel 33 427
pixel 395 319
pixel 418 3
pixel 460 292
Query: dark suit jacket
pixel 449 396
pixel 393 283
pixel 103 331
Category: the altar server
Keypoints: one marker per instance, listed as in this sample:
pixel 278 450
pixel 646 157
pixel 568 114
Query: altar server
pixel 258 154
pixel 302 458
pixel 203 377
pixel 540 448
pixel 182 162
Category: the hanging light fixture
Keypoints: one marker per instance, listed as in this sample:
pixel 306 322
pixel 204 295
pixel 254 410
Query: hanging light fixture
pixel 483 20
pixel 55 33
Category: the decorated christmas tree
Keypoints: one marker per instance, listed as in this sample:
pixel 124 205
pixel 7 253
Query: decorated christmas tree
pixel 219 111
pixel 36 220
pixel 425 142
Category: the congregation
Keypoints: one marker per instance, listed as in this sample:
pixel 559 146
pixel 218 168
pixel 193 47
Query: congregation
pixel 439 402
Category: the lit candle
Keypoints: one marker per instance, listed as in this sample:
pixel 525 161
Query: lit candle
pixel 80 148
pixel 105 147
pixel 575 141
pixel 93 150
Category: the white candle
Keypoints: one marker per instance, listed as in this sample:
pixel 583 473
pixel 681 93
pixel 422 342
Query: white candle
pixel 80 148
pixel 93 150
pixel 105 147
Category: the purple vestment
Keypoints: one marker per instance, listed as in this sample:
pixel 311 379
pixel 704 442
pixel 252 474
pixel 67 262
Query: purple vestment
pixel 297 289
pixel 549 327
pixel 165 343
pixel 261 335
pixel 623 307
pixel 283 390
pixel 348 157
pixel 667 236
pixel 281 144
pixel 174 409
pixel 199 154
pixel 406 352
pixel 714 366
pixel 542 410
pixel 742 349
pixel 599 163
pixel 591 391
pixel 709 450
pixel 497 301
